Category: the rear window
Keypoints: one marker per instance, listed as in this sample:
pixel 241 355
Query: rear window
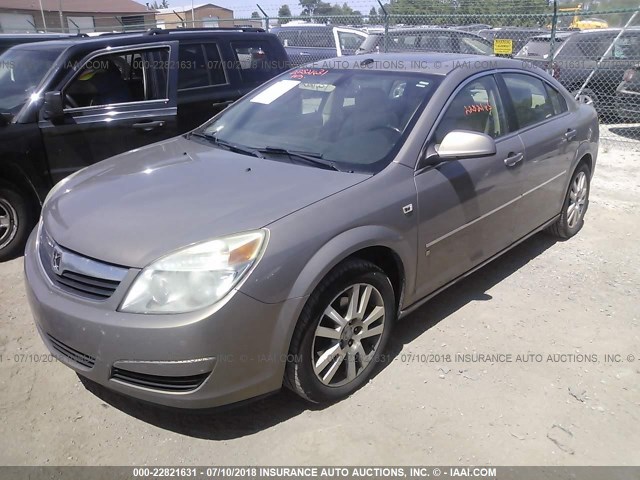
pixel 256 61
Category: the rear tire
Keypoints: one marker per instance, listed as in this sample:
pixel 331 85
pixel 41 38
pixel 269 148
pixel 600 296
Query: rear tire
pixel 575 205
pixel 17 218
pixel 341 332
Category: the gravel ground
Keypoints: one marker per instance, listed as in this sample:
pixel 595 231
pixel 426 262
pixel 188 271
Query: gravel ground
pixel 576 301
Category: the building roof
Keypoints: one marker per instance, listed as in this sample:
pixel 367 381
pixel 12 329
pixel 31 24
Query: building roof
pixel 187 8
pixel 76 6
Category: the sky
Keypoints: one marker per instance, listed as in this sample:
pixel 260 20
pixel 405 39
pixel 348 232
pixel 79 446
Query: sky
pixel 243 8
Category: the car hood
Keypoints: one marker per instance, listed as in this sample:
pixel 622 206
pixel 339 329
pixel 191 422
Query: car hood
pixel 136 207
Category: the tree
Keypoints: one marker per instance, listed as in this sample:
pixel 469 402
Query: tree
pixel 155 5
pixel 374 19
pixel 284 13
pixel 256 15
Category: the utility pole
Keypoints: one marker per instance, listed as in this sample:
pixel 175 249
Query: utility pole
pixel 193 16
pixel 61 17
pixel 44 21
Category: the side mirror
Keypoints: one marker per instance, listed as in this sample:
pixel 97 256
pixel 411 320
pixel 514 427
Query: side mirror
pixel 465 144
pixel 53 109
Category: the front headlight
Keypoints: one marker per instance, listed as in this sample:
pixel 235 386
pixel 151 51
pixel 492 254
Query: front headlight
pixel 195 277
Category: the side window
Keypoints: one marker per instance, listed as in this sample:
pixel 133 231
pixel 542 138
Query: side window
pixel 349 40
pixel 557 100
pixel 255 60
pixel 627 48
pixel 289 37
pixel 127 77
pixel 318 39
pixel 200 66
pixel 477 107
pixel 529 97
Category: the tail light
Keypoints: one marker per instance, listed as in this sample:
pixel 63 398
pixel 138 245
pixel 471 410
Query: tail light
pixel 629 75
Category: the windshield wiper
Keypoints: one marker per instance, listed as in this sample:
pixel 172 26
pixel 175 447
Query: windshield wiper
pixel 232 147
pixel 314 159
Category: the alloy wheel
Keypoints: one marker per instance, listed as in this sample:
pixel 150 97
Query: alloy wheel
pixel 8 223
pixel 348 335
pixel 577 199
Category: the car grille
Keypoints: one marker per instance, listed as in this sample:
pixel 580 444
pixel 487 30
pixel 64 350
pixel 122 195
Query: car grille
pixel 71 353
pixel 77 274
pixel 159 382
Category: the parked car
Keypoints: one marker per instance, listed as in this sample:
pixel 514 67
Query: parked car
pixel 577 54
pixel 628 95
pixel 8 40
pixel 315 42
pixel 69 103
pixel 445 40
pixel 518 35
pixel 280 242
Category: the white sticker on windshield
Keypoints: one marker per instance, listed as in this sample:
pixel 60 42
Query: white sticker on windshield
pixel 275 91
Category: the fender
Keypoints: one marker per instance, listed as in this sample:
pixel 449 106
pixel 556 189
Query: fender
pixel 346 244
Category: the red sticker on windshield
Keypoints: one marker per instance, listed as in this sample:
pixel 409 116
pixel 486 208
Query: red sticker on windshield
pixel 301 73
pixel 471 109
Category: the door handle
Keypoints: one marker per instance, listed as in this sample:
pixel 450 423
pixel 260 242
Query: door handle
pixel 148 126
pixel 570 135
pixel 513 159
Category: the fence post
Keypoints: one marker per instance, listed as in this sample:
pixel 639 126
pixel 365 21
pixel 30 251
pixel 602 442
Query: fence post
pixel 266 17
pixel 386 26
pixel 552 40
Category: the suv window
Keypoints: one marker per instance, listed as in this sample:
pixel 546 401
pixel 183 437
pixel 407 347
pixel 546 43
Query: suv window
pixel 477 107
pixel 350 40
pixel 289 37
pixel 627 48
pixel 255 60
pixel 126 77
pixel 318 39
pixel 200 66
pixel 591 47
pixel 530 99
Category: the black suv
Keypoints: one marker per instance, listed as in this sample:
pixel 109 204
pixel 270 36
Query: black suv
pixel 66 104
pixel 577 55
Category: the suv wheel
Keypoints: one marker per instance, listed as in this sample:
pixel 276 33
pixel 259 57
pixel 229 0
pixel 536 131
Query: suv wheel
pixel 575 205
pixel 342 330
pixel 16 218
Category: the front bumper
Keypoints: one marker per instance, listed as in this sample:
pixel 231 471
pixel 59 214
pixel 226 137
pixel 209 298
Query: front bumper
pixel 195 360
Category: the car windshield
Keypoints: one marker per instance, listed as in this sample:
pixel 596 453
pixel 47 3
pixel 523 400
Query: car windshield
pixel 351 120
pixel 21 71
pixel 539 47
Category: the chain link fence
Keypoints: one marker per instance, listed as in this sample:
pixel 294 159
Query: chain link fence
pixel 594 54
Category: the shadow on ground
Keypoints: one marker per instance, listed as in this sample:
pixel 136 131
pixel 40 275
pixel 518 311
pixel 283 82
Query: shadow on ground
pixel 253 417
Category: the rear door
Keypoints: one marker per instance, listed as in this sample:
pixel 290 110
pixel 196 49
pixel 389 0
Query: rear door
pixel 540 115
pixel 116 99
pixel 467 208
pixel 207 82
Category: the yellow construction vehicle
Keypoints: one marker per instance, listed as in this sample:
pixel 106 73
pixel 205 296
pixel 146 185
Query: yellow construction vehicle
pixel 576 22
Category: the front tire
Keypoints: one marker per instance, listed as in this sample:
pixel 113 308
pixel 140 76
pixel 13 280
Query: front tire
pixel 16 221
pixel 342 330
pixel 575 205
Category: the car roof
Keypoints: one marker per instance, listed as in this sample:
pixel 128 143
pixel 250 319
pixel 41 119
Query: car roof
pixel 418 62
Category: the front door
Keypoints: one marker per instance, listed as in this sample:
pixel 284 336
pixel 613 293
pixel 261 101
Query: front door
pixel 467 207
pixel 116 100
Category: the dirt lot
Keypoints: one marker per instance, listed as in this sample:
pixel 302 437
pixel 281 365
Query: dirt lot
pixel 577 299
